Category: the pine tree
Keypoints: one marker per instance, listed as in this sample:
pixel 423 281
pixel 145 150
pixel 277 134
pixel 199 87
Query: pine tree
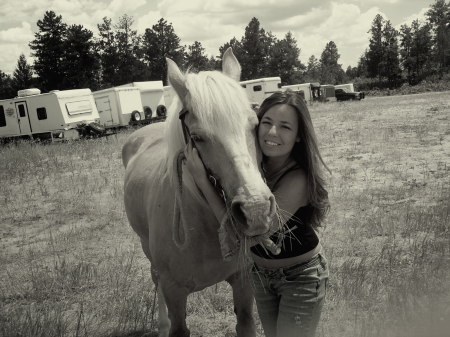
pixel 374 55
pixel 330 71
pixel 48 50
pixel 361 67
pixel 406 43
pixel 312 70
pixel 416 50
pixel 439 18
pixel 107 49
pixel 23 74
pixel 6 89
pixel 255 45
pixel 284 60
pixel 130 66
pixel 196 59
pixel 390 63
pixel 160 42
pixel 80 62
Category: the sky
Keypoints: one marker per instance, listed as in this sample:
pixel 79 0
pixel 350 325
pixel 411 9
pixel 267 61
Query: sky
pixel 313 23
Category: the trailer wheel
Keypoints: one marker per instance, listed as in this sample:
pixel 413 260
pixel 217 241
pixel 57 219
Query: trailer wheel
pixel 148 112
pixel 135 116
pixel 161 111
pixel 97 128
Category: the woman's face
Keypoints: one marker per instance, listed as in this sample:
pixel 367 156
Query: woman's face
pixel 278 131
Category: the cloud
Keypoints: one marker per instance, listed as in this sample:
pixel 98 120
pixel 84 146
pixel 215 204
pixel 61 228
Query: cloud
pixel 213 23
pixel 344 24
pixel 421 16
pixel 22 34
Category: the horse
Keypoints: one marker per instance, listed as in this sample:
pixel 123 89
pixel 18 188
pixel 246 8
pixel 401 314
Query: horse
pixel 177 229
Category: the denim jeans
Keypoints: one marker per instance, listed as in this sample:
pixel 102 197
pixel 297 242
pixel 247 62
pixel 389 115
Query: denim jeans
pixel 290 300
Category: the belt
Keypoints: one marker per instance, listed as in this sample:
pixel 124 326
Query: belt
pixel 287 262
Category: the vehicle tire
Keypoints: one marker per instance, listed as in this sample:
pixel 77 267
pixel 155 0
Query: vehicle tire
pixel 161 111
pixel 135 116
pixel 148 112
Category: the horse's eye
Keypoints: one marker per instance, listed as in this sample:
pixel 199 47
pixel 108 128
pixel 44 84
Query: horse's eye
pixel 196 138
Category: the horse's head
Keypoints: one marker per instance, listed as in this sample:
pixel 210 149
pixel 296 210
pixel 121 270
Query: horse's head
pixel 219 120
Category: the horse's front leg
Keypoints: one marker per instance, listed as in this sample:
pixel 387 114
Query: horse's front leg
pixel 243 304
pixel 175 298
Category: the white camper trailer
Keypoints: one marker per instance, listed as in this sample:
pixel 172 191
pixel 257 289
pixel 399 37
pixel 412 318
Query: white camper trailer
pixel 118 106
pixel 61 114
pixel 303 89
pixel 311 92
pixel 257 90
pixel 152 96
pixel 348 87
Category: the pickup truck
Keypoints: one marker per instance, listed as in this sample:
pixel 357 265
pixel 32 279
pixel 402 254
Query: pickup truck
pixel 345 95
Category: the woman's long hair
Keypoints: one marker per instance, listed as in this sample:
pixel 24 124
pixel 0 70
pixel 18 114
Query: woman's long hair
pixel 306 152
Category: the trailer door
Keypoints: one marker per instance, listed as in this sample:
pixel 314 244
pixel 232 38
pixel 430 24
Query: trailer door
pixel 23 118
pixel 104 110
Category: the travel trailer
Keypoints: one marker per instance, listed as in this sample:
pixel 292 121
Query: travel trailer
pixel 303 89
pixel 348 87
pixel 65 114
pixel 152 96
pixel 309 91
pixel 118 106
pixel 257 90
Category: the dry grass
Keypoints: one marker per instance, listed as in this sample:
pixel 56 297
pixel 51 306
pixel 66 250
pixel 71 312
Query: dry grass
pixel 71 265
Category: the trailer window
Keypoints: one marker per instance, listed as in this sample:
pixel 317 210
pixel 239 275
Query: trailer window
pixel 257 88
pixel 21 110
pixel 279 85
pixel 41 113
pixel 79 107
pixel 2 116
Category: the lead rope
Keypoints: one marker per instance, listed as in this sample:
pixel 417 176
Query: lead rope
pixel 178 223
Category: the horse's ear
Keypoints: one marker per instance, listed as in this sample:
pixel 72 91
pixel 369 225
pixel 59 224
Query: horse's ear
pixel 176 79
pixel 230 65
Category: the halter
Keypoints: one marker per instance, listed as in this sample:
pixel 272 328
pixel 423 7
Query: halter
pixel 187 138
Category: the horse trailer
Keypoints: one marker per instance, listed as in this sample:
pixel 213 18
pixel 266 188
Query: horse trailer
pixel 152 96
pixel 348 87
pixel 310 92
pixel 303 89
pixel 257 90
pixel 61 114
pixel 118 106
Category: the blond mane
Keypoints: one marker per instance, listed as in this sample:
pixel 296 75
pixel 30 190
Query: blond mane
pixel 219 102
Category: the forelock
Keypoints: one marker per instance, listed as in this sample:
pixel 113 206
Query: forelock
pixel 218 102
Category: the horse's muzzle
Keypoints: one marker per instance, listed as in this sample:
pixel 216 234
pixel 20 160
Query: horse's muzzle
pixel 254 212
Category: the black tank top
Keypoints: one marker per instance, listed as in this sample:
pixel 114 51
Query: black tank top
pixel 296 237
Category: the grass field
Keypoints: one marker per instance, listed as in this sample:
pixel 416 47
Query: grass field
pixel 71 265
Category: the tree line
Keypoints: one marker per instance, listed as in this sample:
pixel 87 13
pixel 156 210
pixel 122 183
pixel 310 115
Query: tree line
pixel 68 57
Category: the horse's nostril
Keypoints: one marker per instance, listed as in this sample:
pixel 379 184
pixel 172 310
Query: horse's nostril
pixel 238 213
pixel 273 206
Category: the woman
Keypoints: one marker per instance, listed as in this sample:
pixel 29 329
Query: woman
pixel 290 282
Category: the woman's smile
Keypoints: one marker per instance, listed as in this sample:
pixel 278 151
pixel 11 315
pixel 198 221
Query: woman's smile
pixel 278 131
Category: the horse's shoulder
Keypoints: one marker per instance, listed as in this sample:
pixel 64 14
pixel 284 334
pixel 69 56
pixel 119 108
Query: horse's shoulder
pixel 141 139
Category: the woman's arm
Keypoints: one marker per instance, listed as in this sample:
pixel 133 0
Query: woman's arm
pixel 291 193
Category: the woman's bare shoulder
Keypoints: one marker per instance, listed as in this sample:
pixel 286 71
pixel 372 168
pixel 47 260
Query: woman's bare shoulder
pixel 292 188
